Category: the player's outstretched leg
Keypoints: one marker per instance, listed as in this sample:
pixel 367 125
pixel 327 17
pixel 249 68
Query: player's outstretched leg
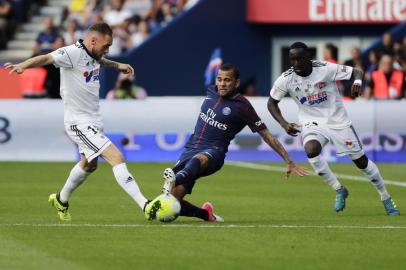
pixel 321 167
pixel 371 171
pixel 341 196
pixel 211 215
pixel 62 208
pixel 76 177
pixel 169 180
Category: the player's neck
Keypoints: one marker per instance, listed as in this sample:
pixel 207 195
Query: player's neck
pixel 306 72
pixel 86 45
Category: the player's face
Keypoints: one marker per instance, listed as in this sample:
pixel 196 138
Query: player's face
pixel 101 44
pixel 300 61
pixel 226 82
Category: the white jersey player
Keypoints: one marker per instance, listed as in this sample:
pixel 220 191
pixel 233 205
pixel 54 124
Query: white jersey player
pixel 80 68
pixel 323 118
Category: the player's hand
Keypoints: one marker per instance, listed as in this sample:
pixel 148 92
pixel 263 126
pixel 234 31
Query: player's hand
pixel 17 68
pixel 355 90
pixel 292 168
pixel 292 129
pixel 126 69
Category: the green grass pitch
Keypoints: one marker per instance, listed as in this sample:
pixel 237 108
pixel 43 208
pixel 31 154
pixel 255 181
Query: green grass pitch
pixel 270 223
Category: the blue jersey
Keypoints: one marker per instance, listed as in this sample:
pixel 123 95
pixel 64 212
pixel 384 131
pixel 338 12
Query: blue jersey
pixel 221 118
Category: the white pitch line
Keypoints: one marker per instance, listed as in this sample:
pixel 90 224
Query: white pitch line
pixel 228 226
pixel 256 166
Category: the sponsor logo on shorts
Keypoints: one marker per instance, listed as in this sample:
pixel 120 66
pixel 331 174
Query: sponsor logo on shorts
pixel 349 143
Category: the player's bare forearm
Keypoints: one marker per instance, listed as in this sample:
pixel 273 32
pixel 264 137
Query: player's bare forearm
pixel 108 63
pixel 275 145
pixel 357 74
pixel 37 61
pixel 273 108
pixel 125 68
pixel 291 128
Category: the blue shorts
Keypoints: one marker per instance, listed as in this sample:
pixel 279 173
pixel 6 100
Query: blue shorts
pixel 216 160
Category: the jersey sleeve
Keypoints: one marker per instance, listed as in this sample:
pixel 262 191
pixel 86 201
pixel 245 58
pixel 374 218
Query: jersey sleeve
pixel 63 57
pixel 279 89
pixel 336 72
pixel 251 118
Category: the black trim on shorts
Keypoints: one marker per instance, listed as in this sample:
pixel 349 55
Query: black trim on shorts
pixel 356 136
pixel 84 139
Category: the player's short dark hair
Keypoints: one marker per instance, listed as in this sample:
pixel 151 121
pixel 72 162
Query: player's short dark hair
pixel 102 28
pixel 233 68
pixel 298 45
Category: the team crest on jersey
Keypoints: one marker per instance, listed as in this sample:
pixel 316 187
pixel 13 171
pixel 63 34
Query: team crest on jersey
pixel 61 52
pixel 307 87
pixel 320 85
pixel 226 110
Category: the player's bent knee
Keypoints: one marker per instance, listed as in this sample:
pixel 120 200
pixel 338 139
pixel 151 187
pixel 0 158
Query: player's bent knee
pixel 90 168
pixel 312 148
pixel 360 160
pixel 204 160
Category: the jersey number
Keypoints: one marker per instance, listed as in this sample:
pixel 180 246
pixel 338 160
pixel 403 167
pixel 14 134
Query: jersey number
pixel 92 129
pixel 5 135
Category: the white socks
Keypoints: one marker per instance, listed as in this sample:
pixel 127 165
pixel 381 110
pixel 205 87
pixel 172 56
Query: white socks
pixel 373 174
pixel 321 167
pixel 127 182
pixel 76 177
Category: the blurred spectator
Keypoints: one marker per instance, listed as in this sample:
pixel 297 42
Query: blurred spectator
pixel 249 88
pixel 72 33
pixel 52 80
pixel 5 14
pixel 141 34
pixel 373 58
pixel 115 14
pixel 330 53
pixel 355 61
pixel 386 82
pixel 126 89
pixel 46 38
pixel 387 43
pixel 132 20
pixel 141 8
pixel 164 15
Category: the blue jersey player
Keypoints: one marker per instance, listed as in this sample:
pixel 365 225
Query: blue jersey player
pixel 223 114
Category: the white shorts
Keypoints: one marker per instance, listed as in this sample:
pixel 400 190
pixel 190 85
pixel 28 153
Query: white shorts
pixel 89 138
pixel 345 140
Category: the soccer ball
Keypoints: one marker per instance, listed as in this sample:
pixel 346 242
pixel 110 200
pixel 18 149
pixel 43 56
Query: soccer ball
pixel 170 208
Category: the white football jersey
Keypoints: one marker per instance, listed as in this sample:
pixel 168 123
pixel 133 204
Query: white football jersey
pixel 79 85
pixel 316 95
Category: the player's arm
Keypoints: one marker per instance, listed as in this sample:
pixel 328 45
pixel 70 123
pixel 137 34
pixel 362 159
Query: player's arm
pixel 356 76
pixel 37 61
pixel 290 128
pixel 277 146
pixel 125 68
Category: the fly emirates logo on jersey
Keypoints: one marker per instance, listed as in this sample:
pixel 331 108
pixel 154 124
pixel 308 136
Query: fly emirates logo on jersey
pixel 314 98
pixel 209 119
pixel 92 74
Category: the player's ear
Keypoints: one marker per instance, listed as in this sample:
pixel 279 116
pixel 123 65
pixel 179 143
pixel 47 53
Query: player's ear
pixel 237 83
